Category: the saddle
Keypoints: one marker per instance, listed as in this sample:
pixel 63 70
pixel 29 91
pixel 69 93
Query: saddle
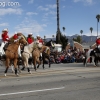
pixel 5 46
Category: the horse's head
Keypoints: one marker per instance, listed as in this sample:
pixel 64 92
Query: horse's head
pixel 22 40
pixel 39 45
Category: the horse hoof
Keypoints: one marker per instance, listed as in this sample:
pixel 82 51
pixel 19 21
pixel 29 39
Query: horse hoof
pixel 30 72
pixel 17 75
pixel 5 75
pixel 23 68
pixel 12 71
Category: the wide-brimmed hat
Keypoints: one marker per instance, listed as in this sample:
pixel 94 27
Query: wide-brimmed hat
pixel 98 37
pixel 5 30
pixel 30 34
pixel 38 35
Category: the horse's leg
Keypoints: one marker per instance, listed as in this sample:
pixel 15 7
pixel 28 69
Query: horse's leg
pixel 96 61
pixel 27 65
pixel 93 60
pixel 19 69
pixel 15 66
pixel 87 58
pixel 48 57
pixel 39 62
pixel 24 65
pixel 84 61
pixel 12 68
pixel 7 65
pixel 34 63
pixel 43 57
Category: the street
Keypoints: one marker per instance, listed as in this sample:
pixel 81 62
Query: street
pixel 60 82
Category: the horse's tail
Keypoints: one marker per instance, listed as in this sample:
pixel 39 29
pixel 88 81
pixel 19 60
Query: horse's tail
pixel 48 51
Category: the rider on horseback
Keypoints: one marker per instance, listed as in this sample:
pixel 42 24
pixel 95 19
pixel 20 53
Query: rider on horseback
pixel 30 38
pixel 5 39
pixel 4 36
pixel 98 42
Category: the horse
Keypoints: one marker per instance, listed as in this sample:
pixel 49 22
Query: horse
pixel 45 50
pixel 36 57
pixel 11 54
pixel 93 54
pixel 27 53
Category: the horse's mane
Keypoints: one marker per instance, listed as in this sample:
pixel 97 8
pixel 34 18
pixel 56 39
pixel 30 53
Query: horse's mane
pixel 19 34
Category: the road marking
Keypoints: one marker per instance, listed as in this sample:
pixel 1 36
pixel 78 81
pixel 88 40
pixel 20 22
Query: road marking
pixel 31 91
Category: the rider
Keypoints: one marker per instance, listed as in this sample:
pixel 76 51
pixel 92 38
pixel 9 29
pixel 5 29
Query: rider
pixel 5 40
pixel 16 38
pixel 30 38
pixel 40 40
pixel 98 42
pixel 4 36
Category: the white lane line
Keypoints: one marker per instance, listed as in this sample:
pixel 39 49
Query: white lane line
pixel 31 91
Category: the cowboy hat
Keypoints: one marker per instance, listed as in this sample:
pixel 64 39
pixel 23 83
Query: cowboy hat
pixel 38 35
pixel 98 37
pixel 5 30
pixel 30 34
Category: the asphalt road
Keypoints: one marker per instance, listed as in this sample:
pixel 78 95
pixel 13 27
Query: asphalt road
pixel 60 82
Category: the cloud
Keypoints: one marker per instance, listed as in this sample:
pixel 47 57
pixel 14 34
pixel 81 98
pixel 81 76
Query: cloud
pixel 31 13
pixel 89 2
pixel 30 26
pixel 4 11
pixel 51 6
pixel 4 24
pixel 94 33
pixel 47 8
pixel 30 1
pixel 43 8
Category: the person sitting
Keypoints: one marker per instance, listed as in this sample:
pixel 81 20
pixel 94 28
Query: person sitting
pixel 5 39
pixel 15 38
pixel 5 36
pixel 30 38
pixel 98 42
pixel 40 40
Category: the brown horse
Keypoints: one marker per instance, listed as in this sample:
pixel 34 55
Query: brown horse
pixel 45 50
pixel 11 53
pixel 35 57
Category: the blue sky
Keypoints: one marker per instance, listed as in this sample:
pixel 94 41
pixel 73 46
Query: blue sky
pixel 39 16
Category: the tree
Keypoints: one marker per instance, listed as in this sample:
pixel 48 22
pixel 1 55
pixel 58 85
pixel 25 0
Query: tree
pixel 91 29
pixel 64 41
pixel 81 31
pixel 53 36
pixel 63 28
pixel 77 39
pixel 97 17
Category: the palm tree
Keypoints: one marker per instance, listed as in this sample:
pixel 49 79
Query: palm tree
pixel 98 17
pixel 81 31
pixel 63 28
pixel 91 29
pixel 44 38
pixel 53 36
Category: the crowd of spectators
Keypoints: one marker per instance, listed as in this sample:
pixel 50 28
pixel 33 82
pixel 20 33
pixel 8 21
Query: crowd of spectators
pixel 69 56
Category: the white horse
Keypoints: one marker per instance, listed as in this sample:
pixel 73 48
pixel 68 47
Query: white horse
pixel 27 53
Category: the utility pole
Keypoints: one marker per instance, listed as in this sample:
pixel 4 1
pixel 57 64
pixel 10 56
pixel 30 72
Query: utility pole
pixel 58 34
